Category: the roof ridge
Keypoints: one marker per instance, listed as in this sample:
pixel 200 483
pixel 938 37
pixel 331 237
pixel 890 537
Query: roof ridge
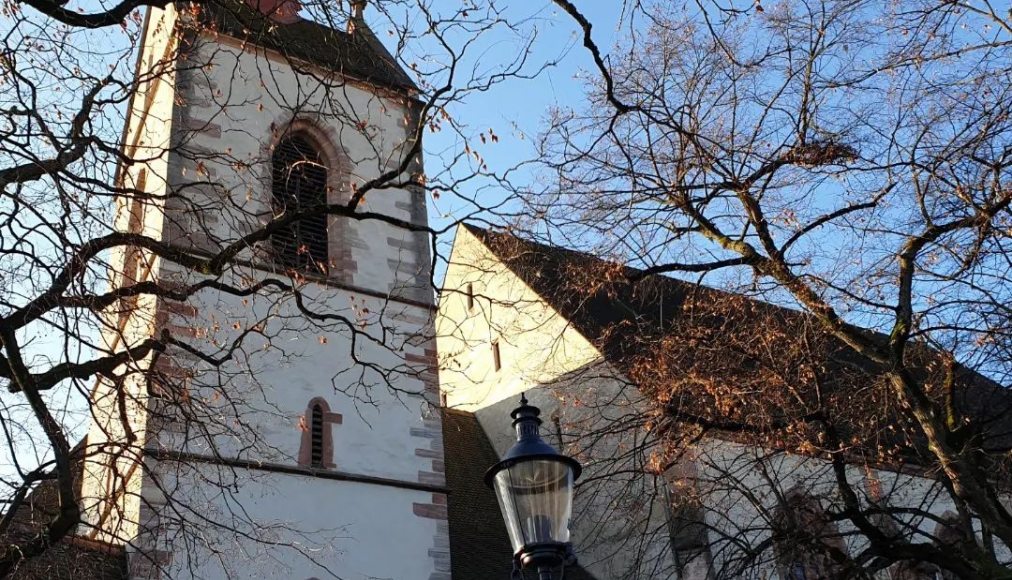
pixel 660 277
pixel 548 247
pixel 359 56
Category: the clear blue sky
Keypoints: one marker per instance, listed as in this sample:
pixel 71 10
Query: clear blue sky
pixel 517 108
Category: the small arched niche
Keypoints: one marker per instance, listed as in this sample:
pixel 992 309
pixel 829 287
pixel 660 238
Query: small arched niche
pixel 316 450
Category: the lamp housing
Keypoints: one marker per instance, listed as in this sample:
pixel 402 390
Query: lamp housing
pixel 534 486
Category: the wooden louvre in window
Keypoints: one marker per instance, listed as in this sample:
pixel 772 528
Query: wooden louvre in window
pixel 300 184
pixel 316 427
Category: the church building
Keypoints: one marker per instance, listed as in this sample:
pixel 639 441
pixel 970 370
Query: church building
pixel 299 419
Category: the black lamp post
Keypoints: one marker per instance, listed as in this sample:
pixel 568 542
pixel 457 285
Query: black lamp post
pixel 534 486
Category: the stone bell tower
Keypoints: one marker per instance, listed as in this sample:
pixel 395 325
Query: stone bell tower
pixel 287 429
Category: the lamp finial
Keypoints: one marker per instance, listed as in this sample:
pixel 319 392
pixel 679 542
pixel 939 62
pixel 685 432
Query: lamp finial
pixel 358 9
pixel 356 17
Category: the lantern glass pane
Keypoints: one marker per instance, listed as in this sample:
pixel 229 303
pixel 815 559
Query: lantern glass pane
pixel 536 499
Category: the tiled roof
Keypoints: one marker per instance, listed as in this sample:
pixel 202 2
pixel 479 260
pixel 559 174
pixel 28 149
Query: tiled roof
pixel 624 318
pixel 75 559
pixel 479 546
pixel 359 55
pixel 72 558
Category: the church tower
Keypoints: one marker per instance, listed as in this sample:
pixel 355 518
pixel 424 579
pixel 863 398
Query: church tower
pixel 285 425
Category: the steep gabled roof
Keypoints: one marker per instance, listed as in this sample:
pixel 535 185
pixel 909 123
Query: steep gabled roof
pixel 561 276
pixel 479 546
pixel 359 55
pixel 642 325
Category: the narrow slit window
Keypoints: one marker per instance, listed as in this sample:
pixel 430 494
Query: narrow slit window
pixel 496 355
pixel 470 296
pixel 316 427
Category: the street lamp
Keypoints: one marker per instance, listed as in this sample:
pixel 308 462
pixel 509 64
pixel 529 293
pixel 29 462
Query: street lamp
pixel 534 486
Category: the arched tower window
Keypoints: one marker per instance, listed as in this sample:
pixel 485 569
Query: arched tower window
pixel 686 516
pixel 803 535
pixel 949 534
pixel 316 433
pixel 299 183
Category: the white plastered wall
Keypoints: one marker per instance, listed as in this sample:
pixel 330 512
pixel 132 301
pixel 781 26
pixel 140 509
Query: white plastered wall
pixel 561 372
pixel 302 528
pixel 111 476
pixel 537 346
pixel 264 389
